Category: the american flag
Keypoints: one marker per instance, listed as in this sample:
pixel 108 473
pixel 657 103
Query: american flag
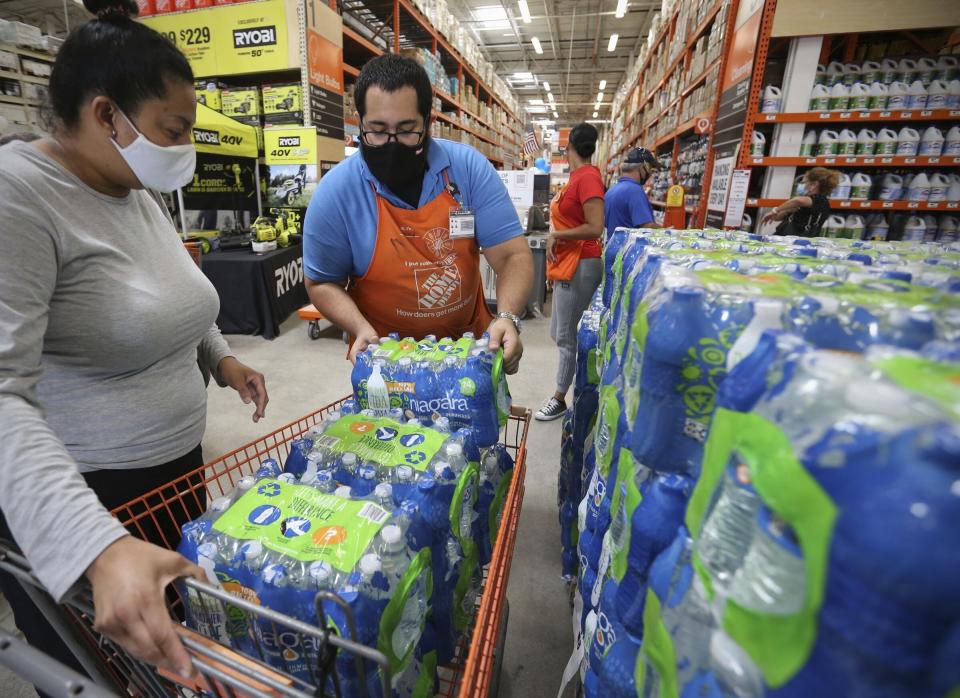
pixel 531 144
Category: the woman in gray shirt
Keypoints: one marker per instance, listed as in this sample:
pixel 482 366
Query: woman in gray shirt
pixel 102 312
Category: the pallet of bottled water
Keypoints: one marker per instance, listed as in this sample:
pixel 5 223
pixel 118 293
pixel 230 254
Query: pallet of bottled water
pixel 460 380
pixel 768 500
pixel 395 518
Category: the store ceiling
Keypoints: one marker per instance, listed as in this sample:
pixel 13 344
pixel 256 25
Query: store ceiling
pixel 52 16
pixel 574 36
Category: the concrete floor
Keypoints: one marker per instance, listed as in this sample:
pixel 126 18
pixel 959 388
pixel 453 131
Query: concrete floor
pixel 303 375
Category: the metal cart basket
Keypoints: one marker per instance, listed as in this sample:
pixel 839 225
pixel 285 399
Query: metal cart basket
pixel 473 673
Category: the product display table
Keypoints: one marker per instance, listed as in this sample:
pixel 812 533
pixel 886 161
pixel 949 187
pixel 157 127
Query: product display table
pixel 257 291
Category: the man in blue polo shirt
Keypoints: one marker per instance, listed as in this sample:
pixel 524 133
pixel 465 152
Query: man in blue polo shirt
pixel 393 234
pixel 626 204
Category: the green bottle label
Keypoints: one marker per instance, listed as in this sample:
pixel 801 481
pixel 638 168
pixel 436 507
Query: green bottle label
pixel 384 441
pixel 304 523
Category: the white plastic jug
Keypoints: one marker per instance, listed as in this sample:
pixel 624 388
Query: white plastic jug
pixel 951 144
pixel 853 227
pixel 821 76
pixel 834 73
pixel 937 94
pixel 851 73
pixel 827 143
pixel 770 104
pixel 820 97
pixel 847 142
pixel 843 188
pixel 809 143
pixel 933 225
pixel 947 68
pixel 859 96
pixel 890 187
pixel 860 185
pixel 866 142
pixel 906 70
pixel 949 229
pixel 833 226
pixel 915 230
pixel 758 143
pixel 953 94
pixel 870 72
pixel 877 227
pixel 890 68
pixel 917 95
pixel 898 95
pixel 839 97
pixel 939 187
pixel 926 70
pixel 931 144
pixel 886 142
pixel 919 189
pixel 879 96
pixel 908 141
pixel 953 193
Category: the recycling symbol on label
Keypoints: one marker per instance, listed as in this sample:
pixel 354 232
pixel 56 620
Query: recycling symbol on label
pixel 415 457
pixel 269 489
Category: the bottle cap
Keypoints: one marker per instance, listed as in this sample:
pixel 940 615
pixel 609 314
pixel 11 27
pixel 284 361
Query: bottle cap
pixel 245 483
pixel 384 490
pixel 367 472
pixel 343 491
pixel 207 550
pixel 325 476
pixel 288 478
pixel 320 572
pixel 406 361
pixel 349 459
pixel 369 565
pixel 220 504
pixel 274 573
pixel 454 450
pixel 251 549
pixel 393 537
pixel 404 473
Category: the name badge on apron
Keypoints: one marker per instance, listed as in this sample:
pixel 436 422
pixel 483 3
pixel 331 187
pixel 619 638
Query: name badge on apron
pixel 462 224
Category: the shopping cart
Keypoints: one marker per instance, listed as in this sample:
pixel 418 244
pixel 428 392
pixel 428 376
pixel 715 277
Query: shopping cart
pixel 474 672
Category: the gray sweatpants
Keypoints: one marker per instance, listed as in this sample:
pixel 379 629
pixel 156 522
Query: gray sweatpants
pixel 570 299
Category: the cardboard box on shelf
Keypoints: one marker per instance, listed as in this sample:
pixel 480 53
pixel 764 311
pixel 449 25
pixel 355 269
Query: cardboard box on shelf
pixel 282 103
pixel 209 94
pixel 241 102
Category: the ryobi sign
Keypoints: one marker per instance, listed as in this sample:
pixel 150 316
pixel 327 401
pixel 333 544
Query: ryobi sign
pixel 290 146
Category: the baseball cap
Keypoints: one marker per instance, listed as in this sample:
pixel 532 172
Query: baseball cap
pixel 642 156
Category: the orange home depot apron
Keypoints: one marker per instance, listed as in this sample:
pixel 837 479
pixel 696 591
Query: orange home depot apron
pixel 421 281
pixel 567 252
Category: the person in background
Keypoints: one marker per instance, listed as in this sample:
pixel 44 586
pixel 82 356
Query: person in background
pixel 573 256
pixel 804 214
pixel 626 204
pixel 25 136
pixel 393 234
pixel 103 317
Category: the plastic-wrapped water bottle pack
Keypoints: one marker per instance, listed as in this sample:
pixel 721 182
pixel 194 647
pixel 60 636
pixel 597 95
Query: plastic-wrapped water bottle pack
pixel 395 517
pixel 461 380
pixel 772 479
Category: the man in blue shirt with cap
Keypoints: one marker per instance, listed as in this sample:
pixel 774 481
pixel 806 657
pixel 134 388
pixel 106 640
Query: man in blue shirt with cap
pixel 626 204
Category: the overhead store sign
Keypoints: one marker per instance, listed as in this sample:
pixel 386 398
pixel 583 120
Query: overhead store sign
pixel 325 70
pixel 296 145
pixel 233 39
pixel 220 135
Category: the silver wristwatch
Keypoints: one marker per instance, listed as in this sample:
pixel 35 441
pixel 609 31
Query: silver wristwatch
pixel 515 319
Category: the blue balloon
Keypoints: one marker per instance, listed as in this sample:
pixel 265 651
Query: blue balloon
pixel 540 163
pixel 545 168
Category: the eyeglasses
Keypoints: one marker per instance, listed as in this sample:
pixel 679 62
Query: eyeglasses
pixel 378 139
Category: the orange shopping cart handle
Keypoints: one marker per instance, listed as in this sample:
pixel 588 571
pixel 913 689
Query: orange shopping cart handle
pixel 210 653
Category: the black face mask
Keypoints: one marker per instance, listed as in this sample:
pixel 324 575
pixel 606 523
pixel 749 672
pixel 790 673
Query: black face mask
pixel 398 166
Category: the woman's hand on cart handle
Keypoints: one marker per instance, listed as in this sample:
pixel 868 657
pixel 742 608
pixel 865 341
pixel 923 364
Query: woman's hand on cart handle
pixel 249 383
pixel 128 579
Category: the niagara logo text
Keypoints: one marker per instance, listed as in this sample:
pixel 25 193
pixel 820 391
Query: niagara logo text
pixel 445 403
pixel 258 36
pixel 288 276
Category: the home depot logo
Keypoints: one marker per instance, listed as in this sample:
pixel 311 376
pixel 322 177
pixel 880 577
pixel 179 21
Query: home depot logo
pixel 256 36
pixel 438 287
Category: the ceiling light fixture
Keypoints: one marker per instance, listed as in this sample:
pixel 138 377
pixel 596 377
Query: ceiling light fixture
pixel 546 85
pixel 555 115
pixel 524 11
pixel 621 8
pixel 612 46
pixel 550 96
pixel 600 96
pixel 597 105
pixel 536 45
pixel 595 114
pixel 536 101
pixel 603 83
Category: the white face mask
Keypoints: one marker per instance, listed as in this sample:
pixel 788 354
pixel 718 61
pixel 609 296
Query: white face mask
pixel 801 189
pixel 157 167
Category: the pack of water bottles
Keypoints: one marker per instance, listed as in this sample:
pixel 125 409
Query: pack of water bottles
pixel 685 328
pixel 395 517
pixel 461 380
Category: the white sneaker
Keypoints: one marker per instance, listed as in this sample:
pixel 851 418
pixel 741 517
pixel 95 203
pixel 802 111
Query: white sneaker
pixel 551 409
